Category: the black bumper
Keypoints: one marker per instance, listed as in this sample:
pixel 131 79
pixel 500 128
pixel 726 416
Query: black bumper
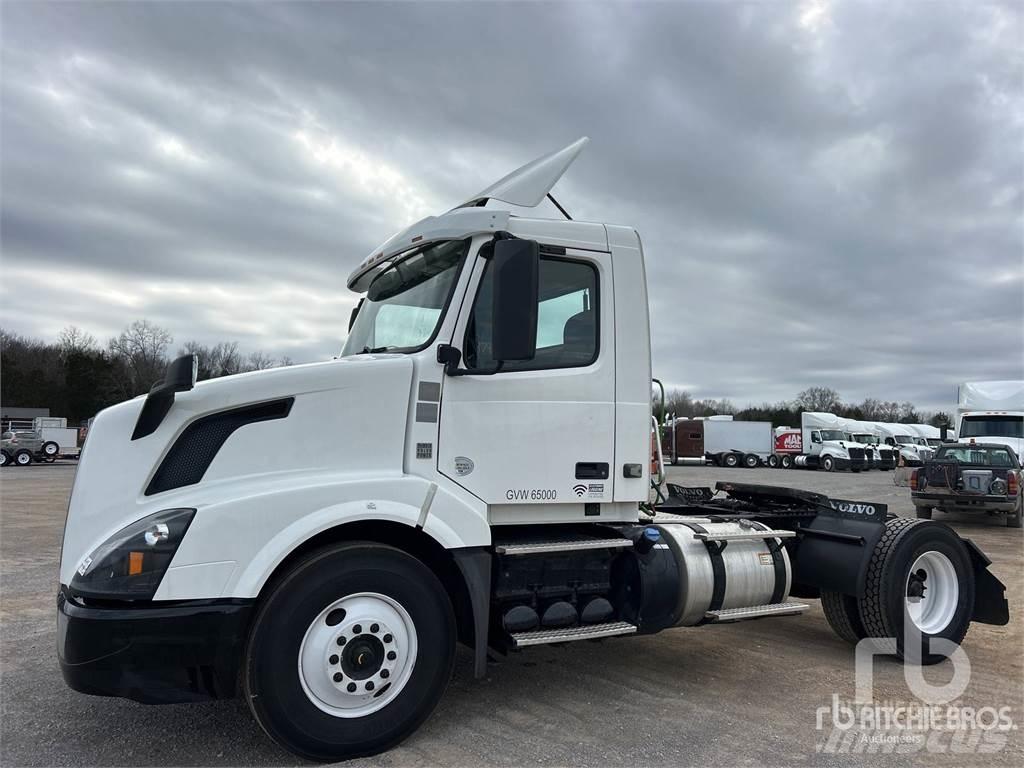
pixel 157 654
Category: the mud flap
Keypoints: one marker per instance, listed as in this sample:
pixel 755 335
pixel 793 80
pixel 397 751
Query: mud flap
pixel 990 606
pixel 835 547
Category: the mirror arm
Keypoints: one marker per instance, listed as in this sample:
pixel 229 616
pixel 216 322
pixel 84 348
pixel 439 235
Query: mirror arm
pixel 450 357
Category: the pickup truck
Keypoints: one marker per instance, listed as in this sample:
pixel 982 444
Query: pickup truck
pixel 970 477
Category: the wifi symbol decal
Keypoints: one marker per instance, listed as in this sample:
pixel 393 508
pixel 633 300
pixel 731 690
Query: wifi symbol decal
pixel 579 490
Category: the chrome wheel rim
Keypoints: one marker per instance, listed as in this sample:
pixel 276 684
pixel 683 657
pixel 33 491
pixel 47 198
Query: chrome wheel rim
pixel 932 592
pixel 357 655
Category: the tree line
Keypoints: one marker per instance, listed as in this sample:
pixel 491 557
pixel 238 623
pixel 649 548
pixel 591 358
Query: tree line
pixel 76 376
pixel 817 399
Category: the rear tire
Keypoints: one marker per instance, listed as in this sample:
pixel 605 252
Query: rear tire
pixel 22 458
pixel 918 556
pixel 1013 519
pixel 730 460
pixel 50 450
pixel 773 461
pixel 924 513
pixel 750 461
pixel 301 684
pixel 786 462
pixel 843 615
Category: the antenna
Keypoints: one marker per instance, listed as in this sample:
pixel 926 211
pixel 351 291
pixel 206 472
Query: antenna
pixel 564 212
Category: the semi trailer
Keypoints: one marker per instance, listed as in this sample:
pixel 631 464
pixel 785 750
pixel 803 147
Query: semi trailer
pixel 718 440
pixel 329 583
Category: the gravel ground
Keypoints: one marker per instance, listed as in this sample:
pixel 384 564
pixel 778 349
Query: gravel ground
pixel 744 694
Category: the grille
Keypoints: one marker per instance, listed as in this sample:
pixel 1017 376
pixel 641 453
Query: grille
pixel 856 453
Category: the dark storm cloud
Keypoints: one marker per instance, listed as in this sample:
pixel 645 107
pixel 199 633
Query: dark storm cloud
pixel 828 193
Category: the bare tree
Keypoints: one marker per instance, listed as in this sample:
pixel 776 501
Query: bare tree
pixel 871 409
pixel 259 361
pixel 819 399
pixel 140 353
pixel 73 340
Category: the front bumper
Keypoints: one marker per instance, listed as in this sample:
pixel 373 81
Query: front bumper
pixel 156 654
pixel 963 502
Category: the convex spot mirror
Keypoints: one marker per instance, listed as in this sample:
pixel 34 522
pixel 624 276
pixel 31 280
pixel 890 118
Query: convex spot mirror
pixel 516 266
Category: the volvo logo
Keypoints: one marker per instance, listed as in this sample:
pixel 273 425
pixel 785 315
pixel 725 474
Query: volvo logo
pixel 853 508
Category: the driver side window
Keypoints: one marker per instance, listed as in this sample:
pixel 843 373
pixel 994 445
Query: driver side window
pixel 567 319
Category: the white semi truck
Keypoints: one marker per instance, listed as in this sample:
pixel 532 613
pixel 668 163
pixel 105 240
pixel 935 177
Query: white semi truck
pixel 991 412
pixel 823 442
pixel 913 449
pixel 475 467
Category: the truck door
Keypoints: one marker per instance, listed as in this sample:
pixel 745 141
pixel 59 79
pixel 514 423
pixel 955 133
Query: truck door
pixel 539 431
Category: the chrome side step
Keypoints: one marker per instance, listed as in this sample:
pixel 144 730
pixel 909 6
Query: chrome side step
pixel 569 634
pixel 545 547
pixel 755 612
pixel 744 536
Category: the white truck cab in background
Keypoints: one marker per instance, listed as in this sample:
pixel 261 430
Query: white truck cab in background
pixel 913 450
pixel 991 412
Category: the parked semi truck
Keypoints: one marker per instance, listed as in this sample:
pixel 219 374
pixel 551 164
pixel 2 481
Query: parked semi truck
pixel 991 412
pixel 329 583
pixel 913 449
pixel 718 440
pixel 821 443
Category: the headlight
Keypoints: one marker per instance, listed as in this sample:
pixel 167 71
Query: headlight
pixel 130 564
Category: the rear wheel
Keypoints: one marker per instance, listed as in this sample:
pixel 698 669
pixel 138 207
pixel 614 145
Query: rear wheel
pixel 751 460
pixel 773 461
pixel 828 463
pixel 1013 519
pixel 786 462
pixel 22 458
pixel 843 616
pixel 919 579
pixel 350 652
pixel 50 449
pixel 730 460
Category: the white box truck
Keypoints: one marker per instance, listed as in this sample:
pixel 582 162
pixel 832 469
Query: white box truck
pixel 991 412
pixel 718 440
pixel 822 442
pixel 475 467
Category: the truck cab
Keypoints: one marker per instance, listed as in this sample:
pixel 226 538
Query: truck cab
pixel 474 467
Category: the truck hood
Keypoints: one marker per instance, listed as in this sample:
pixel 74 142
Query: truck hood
pixel 345 415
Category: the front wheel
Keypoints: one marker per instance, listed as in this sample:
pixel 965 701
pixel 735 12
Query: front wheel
pixel 5 458
pixel 23 458
pixel 350 652
pixel 919 586
pixel 828 463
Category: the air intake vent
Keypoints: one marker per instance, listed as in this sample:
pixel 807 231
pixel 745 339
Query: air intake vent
pixel 196 447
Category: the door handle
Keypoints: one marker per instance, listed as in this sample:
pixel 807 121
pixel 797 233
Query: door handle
pixel 591 470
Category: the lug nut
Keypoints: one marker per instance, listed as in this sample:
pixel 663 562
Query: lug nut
pixel 369 686
pixel 388 638
pixel 351 687
pixel 338 677
pixel 341 640
pixel 333 659
pixel 375 628
pixel 358 629
pixel 385 674
pixel 392 655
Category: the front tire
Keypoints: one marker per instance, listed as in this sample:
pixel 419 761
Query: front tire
pixel 5 458
pixel 920 572
pixel 22 458
pixel 350 652
pixel 828 463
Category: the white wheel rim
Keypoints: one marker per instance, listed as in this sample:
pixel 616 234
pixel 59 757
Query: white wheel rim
pixel 935 609
pixel 360 663
pixel 51 450
pixel 24 459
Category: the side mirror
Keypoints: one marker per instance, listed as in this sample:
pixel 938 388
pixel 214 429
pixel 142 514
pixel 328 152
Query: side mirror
pixel 516 265
pixel 180 377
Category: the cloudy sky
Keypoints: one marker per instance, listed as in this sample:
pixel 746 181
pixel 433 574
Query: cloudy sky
pixel 828 193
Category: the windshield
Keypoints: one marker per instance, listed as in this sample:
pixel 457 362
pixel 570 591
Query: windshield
pixel 905 440
pixel 972 454
pixel 404 303
pixel 833 434
pixel 862 437
pixel 934 441
pixel 920 441
pixel 992 426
